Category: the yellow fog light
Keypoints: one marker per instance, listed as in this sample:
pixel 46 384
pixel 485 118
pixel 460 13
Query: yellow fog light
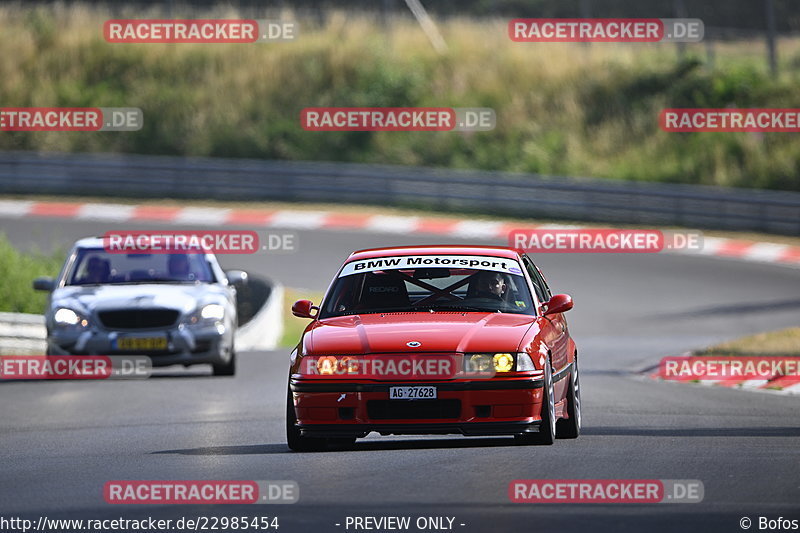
pixel 349 364
pixel 503 362
pixel 479 362
pixel 327 365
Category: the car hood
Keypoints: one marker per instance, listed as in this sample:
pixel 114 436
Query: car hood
pixel 94 298
pixel 435 332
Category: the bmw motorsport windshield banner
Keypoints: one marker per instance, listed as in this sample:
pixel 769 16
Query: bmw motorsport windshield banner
pixel 478 262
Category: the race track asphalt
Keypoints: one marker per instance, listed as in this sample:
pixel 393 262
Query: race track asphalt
pixel 60 442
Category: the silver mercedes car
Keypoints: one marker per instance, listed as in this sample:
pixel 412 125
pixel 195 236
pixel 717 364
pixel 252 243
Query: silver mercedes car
pixel 177 308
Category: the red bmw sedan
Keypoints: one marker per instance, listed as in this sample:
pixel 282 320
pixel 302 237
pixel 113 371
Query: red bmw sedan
pixel 434 340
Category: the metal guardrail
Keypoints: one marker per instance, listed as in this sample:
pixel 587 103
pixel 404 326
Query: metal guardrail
pixel 497 193
pixel 21 333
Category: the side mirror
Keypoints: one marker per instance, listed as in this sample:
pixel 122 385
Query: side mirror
pixel 44 284
pixel 237 278
pixel 559 303
pixel 304 308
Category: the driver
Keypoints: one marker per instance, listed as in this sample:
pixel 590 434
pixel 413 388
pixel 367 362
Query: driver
pixel 492 285
pixel 97 270
pixel 178 265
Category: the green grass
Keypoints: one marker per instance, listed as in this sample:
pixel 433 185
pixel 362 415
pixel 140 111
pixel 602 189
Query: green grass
pixel 17 272
pixel 562 109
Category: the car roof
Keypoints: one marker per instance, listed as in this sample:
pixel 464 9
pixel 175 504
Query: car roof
pixel 444 249
pixel 91 243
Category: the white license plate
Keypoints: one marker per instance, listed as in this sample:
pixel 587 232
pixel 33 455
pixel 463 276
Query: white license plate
pixel 412 393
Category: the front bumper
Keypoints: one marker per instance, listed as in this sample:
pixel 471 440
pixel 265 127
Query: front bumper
pixel 474 408
pixel 185 346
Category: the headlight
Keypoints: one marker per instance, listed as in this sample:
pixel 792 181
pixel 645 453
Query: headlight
pixel 479 362
pixel 503 362
pixel 212 312
pixel 498 362
pixel 68 317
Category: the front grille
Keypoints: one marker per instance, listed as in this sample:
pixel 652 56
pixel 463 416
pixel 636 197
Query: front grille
pixel 138 318
pixel 413 409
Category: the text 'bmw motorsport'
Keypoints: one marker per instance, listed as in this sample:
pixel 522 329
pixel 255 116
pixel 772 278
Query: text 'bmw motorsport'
pixel 463 261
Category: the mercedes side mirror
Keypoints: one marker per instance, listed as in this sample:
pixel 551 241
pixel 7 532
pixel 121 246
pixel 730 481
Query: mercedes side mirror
pixel 44 284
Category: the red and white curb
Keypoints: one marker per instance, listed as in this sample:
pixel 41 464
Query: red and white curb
pixel 331 220
pixel 776 384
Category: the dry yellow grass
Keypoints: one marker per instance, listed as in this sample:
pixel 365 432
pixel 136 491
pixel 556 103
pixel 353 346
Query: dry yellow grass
pixel 292 326
pixel 783 343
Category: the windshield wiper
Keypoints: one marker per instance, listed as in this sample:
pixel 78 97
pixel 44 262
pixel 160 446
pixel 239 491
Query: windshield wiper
pixel 377 310
pixel 462 307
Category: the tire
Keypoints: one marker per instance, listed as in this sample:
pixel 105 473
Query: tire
pixel 226 369
pixel 547 429
pixel 296 441
pixel 570 428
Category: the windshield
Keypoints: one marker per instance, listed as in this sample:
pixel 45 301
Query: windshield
pixel 494 285
pixel 96 266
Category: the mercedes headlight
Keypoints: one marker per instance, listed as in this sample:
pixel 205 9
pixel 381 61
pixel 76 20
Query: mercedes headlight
pixel 66 317
pixel 212 312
